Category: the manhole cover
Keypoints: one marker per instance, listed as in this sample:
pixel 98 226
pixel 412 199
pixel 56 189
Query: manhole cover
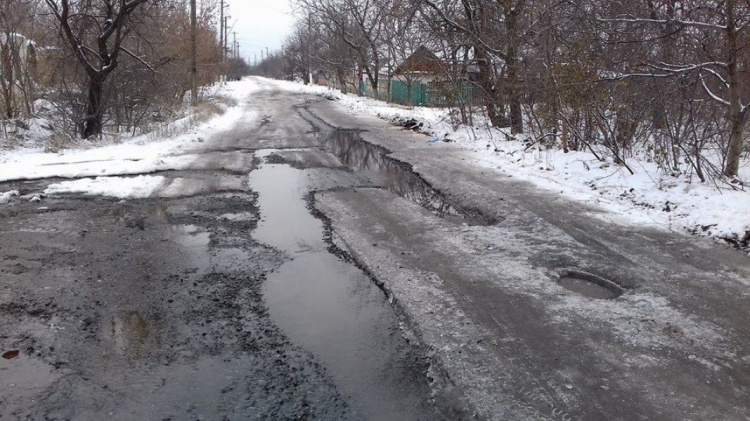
pixel 589 285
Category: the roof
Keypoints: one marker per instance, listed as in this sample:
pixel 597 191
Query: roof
pixel 421 61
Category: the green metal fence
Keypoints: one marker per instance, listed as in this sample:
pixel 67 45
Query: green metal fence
pixel 401 94
pixel 436 94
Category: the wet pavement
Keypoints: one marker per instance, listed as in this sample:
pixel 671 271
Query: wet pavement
pixel 296 269
pixel 331 308
pixel 216 298
pixel 556 311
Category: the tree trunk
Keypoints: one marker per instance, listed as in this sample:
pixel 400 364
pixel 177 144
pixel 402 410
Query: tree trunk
pixel 514 88
pixel 193 55
pixel 92 125
pixel 494 113
pixel 736 114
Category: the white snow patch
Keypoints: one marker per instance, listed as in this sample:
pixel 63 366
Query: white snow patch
pixel 139 187
pixel 649 197
pixel 8 196
pixel 138 155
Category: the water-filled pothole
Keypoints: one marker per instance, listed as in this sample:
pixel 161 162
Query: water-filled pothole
pixel 589 285
pixel 395 176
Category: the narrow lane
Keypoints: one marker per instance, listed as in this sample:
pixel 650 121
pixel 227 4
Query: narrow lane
pixel 215 298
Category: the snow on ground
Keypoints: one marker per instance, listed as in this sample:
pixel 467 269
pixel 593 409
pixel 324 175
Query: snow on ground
pixel 649 196
pixel 139 187
pixel 137 155
pixel 8 196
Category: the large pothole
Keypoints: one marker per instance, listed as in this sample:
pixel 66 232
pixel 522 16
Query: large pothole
pixel 589 285
pixel 396 176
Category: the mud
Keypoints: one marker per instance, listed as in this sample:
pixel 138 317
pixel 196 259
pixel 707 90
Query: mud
pixel 147 310
pixel 217 298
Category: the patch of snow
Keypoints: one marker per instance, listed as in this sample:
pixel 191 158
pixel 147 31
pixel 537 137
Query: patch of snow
pixel 8 196
pixel 139 155
pixel 648 197
pixel 139 187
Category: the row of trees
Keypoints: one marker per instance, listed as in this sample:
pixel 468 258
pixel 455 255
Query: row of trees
pixel 106 65
pixel 668 76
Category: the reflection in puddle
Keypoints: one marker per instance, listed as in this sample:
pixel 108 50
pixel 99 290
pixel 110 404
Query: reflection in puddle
pixel 285 221
pixel 130 333
pixel 304 159
pixel 394 176
pixel 332 309
pixel 191 236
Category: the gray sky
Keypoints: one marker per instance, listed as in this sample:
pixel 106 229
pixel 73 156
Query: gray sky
pixel 259 24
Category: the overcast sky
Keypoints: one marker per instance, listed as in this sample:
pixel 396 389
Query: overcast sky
pixel 259 24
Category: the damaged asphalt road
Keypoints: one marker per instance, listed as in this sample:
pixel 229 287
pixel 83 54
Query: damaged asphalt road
pixel 215 299
pixel 301 269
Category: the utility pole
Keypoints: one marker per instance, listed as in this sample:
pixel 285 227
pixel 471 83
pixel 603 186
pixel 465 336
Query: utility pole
pixel 225 46
pixel 193 55
pixel 221 31
pixel 234 44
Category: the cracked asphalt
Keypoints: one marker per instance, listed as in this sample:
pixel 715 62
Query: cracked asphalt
pixel 314 265
pixel 215 299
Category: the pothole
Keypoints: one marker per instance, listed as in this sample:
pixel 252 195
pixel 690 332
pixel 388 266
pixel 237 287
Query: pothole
pixel 589 285
pixel 396 176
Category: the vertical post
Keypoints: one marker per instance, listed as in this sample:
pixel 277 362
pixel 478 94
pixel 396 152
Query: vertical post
pixel 390 74
pixel 193 55
pixel 226 36
pixel 221 34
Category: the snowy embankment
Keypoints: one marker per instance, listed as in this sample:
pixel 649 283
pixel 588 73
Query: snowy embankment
pixel 109 160
pixel 649 197
pixel 679 203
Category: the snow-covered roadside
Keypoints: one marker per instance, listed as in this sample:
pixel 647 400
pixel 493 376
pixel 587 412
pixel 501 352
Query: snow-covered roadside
pixel 137 155
pixel 139 187
pixel 649 196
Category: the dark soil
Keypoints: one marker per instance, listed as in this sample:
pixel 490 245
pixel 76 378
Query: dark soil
pixel 147 309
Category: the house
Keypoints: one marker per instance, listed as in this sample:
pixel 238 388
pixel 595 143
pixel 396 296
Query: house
pixel 320 78
pixel 422 79
pixel 422 66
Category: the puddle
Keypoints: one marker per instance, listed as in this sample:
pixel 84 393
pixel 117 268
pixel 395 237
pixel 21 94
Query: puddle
pixel 131 333
pixel 332 309
pixel 304 159
pixel 589 285
pixel 394 176
pixel 285 221
pixel 190 236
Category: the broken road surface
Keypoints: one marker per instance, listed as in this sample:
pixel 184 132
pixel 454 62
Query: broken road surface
pixel 309 264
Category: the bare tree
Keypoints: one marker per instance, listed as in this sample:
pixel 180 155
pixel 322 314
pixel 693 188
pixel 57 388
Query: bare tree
pixel 17 58
pixel 713 36
pixel 95 34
